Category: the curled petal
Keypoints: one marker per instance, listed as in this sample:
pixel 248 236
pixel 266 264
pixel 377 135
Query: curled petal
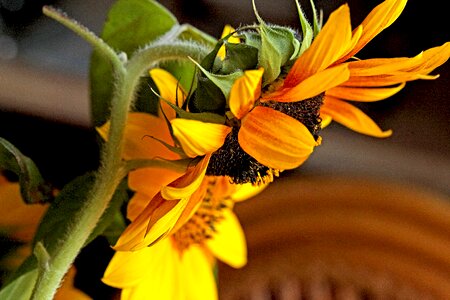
pixel 186 185
pixel 274 139
pixel 245 91
pixel 352 117
pixel 364 94
pixel 199 138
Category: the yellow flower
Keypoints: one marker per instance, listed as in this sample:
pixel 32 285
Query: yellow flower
pixel 181 265
pixel 324 68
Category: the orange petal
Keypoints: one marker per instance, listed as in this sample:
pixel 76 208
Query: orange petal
pixel 312 86
pixel 385 80
pixel 352 117
pixel 330 44
pixel 378 19
pixel 364 94
pixel 149 181
pixel 169 90
pixel 18 219
pixel 433 58
pixel 275 139
pixel 245 91
pixel 199 138
pixel 153 224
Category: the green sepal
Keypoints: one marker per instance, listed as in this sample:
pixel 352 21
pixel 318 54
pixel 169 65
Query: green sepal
pixel 130 25
pixel 207 97
pixel 239 57
pixel 32 186
pixel 307 30
pixel 223 82
pixel 202 116
pixel 278 45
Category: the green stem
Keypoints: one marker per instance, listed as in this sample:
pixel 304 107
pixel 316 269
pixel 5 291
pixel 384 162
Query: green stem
pixel 112 169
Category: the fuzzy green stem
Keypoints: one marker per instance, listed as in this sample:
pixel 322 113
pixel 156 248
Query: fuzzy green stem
pixel 112 169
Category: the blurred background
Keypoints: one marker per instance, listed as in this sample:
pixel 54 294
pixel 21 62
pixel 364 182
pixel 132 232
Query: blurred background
pixel 44 100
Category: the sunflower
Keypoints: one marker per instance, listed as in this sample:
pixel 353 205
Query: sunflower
pixel 324 69
pixel 181 265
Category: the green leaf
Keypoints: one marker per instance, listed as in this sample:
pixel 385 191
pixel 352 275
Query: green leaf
pixel 32 185
pixel 21 288
pixel 278 45
pixel 130 25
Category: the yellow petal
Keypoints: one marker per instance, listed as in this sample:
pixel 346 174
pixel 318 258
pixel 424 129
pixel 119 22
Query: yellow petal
pixel 330 44
pixel 247 190
pixel 196 275
pixel 352 117
pixel 312 86
pixel 232 39
pixel 169 89
pixel 228 243
pixel 245 91
pixel 128 268
pixel 364 94
pixel 139 130
pixel 275 139
pixel 159 274
pixel 172 275
pixel 199 138
pixel 379 18
pixel 326 119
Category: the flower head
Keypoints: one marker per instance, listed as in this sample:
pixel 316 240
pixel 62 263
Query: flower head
pixel 255 109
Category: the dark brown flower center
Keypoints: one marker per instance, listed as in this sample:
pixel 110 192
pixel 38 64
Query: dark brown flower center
pixel 231 160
